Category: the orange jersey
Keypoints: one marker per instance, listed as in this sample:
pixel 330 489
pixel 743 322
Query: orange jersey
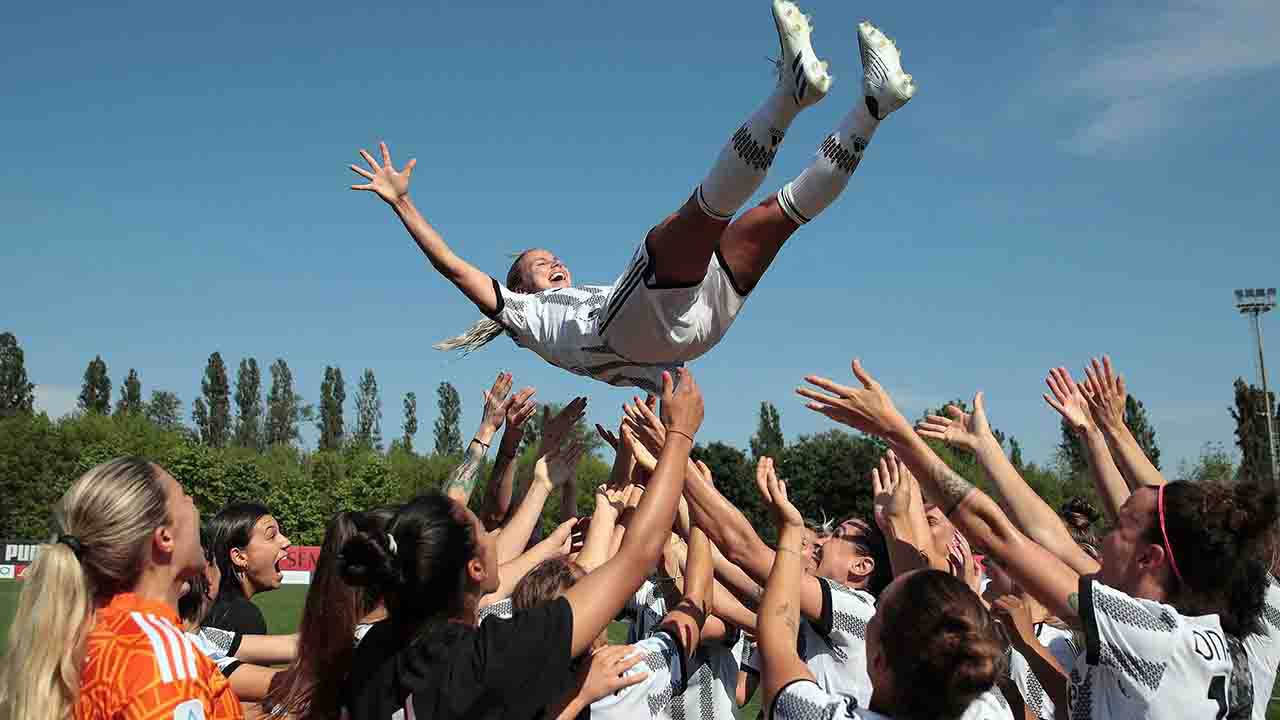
pixel 141 666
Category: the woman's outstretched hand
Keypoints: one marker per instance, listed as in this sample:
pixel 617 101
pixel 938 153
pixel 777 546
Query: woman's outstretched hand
pixel 383 179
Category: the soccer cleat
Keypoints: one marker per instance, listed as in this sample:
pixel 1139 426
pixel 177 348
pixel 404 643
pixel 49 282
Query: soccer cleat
pixel 800 73
pixel 886 86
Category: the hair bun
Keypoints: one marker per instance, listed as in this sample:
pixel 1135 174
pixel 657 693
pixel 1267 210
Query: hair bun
pixel 365 561
pixel 1253 510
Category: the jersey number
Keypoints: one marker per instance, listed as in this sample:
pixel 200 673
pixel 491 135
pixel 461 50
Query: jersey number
pixel 1218 692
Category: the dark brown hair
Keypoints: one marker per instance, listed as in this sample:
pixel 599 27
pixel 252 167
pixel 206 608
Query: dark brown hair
pixel 546 581
pixel 1218 531
pixel 944 651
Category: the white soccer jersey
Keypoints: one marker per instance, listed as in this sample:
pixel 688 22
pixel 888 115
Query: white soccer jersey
pixel 805 700
pixel 1264 651
pixel 1058 643
pixel 1144 660
pixel 652 697
pixel 500 609
pixel 219 646
pixel 626 333
pixel 712 685
pixel 835 645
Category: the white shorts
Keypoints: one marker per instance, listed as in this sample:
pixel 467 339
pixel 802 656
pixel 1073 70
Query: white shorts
pixel 649 323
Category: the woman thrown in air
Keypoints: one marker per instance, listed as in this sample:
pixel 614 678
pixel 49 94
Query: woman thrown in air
pixel 690 277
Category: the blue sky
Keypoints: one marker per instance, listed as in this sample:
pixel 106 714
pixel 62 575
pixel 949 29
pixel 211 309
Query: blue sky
pixel 1071 179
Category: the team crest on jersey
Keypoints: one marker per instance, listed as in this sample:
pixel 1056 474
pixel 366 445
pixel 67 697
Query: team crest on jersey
pixel 189 710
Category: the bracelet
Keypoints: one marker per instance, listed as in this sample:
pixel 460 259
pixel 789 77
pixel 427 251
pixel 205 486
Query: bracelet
pixel 797 553
pixel 483 444
pixel 679 432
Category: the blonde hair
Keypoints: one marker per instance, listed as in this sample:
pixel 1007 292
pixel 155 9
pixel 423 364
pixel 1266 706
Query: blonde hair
pixel 483 331
pixel 110 513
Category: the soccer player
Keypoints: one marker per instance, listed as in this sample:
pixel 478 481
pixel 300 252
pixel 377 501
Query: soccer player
pixel 1179 580
pixel 690 277
pixel 97 635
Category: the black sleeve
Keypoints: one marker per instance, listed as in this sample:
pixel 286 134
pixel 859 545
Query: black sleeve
pixel 824 624
pixel 525 659
pixel 1088 621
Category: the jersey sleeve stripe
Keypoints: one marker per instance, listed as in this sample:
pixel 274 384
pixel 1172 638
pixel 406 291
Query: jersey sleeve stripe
pixel 175 646
pixel 157 645
pixel 1092 643
pixel 188 651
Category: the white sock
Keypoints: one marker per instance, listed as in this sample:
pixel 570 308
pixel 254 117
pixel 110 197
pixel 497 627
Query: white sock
pixel 838 156
pixel 745 160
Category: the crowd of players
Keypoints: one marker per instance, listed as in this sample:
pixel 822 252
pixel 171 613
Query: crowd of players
pixel 947 603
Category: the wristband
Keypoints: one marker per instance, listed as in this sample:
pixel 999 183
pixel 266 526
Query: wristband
pixel 797 553
pixel 680 432
pixel 483 444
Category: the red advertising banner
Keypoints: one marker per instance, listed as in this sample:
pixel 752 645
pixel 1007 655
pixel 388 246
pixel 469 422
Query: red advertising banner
pixel 301 557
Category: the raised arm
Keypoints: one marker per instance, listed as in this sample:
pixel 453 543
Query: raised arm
pixel 1070 402
pixel 595 549
pixel 779 617
pixel 497 496
pixel 899 512
pixel 688 616
pixel 463 479
pixel 393 188
pixel 510 573
pixel 1107 396
pixel 1013 613
pixel 972 432
pixel 548 472
pixel 597 598
pixel 870 409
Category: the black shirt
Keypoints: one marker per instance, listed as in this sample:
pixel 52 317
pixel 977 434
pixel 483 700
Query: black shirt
pixel 506 668
pixel 235 613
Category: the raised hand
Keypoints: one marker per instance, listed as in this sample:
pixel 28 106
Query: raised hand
pixel 682 407
pixel 774 492
pixel 1106 393
pixel 563 462
pixel 1068 400
pixel 963 430
pixel 562 536
pixel 645 459
pixel 383 179
pixel 495 402
pixel 646 425
pixel 556 429
pixel 608 436
pixel 520 408
pixel 895 492
pixel 1014 614
pixel 868 408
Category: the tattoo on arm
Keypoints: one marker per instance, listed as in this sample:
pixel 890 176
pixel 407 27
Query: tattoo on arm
pixel 465 475
pixel 788 615
pixel 951 487
pixel 1073 601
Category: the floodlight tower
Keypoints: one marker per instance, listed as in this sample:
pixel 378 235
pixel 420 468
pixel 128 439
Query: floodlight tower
pixel 1254 302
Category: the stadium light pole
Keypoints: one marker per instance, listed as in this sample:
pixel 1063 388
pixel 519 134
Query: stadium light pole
pixel 1254 302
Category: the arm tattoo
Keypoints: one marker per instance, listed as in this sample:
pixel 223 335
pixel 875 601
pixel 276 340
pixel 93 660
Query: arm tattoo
pixel 1073 600
pixel 788 617
pixel 464 476
pixel 952 488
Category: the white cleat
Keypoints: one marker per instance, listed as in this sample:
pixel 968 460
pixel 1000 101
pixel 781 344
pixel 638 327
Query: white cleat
pixel 800 73
pixel 886 86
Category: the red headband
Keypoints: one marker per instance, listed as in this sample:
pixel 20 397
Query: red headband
pixel 1164 534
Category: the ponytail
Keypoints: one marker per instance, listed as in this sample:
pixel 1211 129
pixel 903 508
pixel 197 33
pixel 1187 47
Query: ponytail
pixel 104 523
pixel 41 677
pixel 477 336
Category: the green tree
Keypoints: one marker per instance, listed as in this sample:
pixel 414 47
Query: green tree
pixel 410 420
pixel 368 412
pixel 1250 413
pixel 582 432
pixel 200 416
pixel 768 440
pixel 17 393
pixel 249 405
pixel 163 410
pixel 285 408
pixel 95 392
pixel 333 395
pixel 130 395
pixel 448 434
pixel 1214 463
pixel 217 401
